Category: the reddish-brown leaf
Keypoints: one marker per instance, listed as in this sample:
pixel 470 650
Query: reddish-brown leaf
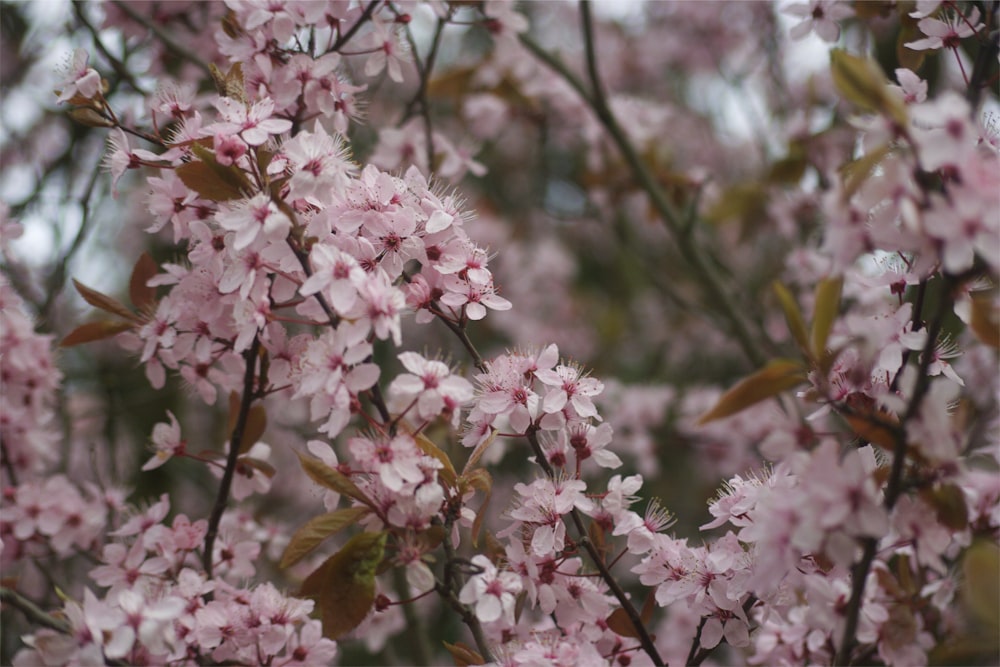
pixel 463 654
pixel 778 376
pixel 143 296
pixel 343 587
pixel 104 302
pixel 91 331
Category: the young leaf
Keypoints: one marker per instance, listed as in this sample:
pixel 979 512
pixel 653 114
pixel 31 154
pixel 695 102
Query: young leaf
pixel 478 452
pixel 105 302
pixel 91 331
pixel 230 174
pixel 89 117
pixel 447 473
pixel 329 478
pixel 949 506
pixel 481 480
pixel 463 655
pixel 200 178
pixel 143 297
pixel 256 464
pixel 871 424
pixel 796 325
pixel 343 587
pixel 862 82
pixel 231 83
pixel 856 172
pixel 622 625
pixel 254 428
pixel 984 320
pixel 827 307
pixel 778 376
pixel 316 530
pixel 981 582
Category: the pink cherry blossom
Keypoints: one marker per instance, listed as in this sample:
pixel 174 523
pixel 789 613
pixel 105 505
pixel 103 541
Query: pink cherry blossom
pixel 492 592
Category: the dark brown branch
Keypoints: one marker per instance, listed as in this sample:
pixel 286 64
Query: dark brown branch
pixel 364 18
pixel 249 375
pixel 894 486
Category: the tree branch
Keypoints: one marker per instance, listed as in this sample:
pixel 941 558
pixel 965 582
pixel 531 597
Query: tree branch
pixel 173 46
pixel 666 211
pixel 250 357
pixel 860 571
pixel 32 611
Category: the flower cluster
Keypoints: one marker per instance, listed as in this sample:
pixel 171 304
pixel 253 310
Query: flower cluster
pixel 293 157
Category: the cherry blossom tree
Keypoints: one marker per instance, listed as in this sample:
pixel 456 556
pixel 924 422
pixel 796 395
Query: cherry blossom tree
pixel 569 333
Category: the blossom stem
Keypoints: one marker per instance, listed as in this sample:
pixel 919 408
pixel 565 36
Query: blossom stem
pixel 364 18
pixel 234 453
pixel 640 628
pixel 420 98
pixel 447 591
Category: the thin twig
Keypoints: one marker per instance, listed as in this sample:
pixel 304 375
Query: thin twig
pixel 168 41
pixel 344 38
pixel 665 209
pixel 120 68
pixel 446 590
pixel 640 627
pixel 57 280
pixel 32 611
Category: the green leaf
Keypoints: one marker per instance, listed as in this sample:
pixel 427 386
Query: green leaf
pixel 949 506
pixel 88 117
pixel 856 172
pixel 343 587
pixel 862 82
pixel 790 168
pixel 796 325
pixel 329 478
pixel 742 202
pixel 826 309
pixel 316 530
pixel 463 654
pixel 231 83
pixel 981 582
pixel 143 297
pixel 91 331
pixel 778 376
